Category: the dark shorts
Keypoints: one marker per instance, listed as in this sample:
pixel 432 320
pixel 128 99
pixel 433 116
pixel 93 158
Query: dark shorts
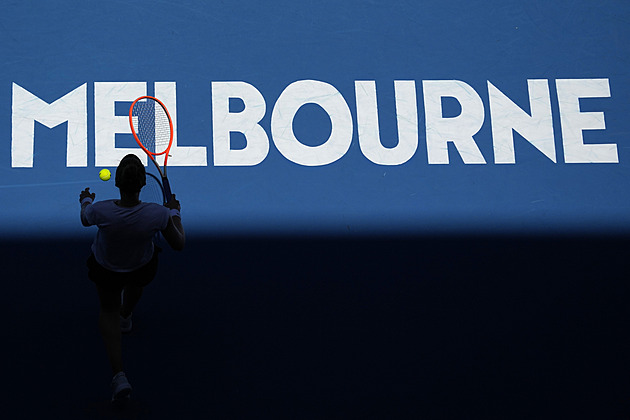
pixel 114 281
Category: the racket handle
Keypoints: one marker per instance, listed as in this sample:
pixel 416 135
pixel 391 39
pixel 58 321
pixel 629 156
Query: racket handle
pixel 167 189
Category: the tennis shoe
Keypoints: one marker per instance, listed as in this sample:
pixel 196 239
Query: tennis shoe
pixel 121 389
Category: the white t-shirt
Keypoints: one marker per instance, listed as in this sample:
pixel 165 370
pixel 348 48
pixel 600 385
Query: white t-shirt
pixel 124 241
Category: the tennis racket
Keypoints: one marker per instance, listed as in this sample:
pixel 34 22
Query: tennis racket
pixel 152 128
pixel 153 192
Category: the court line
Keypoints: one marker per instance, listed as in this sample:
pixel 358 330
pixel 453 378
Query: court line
pixel 45 184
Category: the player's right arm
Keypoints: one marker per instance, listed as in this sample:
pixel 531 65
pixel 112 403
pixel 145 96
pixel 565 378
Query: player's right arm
pixel 85 198
pixel 174 231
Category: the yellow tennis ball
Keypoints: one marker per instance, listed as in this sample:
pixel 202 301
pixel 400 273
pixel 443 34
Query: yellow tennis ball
pixel 105 174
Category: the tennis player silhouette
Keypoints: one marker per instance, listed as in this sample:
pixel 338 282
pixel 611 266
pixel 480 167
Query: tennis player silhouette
pixel 124 258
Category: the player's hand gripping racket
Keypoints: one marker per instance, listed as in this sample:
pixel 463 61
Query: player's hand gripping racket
pixel 152 128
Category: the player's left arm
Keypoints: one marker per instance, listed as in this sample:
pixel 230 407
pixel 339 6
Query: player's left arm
pixel 174 231
pixel 86 198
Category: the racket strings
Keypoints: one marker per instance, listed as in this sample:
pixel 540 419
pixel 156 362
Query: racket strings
pixel 152 126
pixel 152 192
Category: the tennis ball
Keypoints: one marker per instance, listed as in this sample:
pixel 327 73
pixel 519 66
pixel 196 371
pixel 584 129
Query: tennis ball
pixel 105 174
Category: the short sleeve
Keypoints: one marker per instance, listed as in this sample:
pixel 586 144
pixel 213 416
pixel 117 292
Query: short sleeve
pixel 88 214
pixel 159 215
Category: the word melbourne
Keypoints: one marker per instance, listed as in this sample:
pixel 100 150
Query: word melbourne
pixel 441 130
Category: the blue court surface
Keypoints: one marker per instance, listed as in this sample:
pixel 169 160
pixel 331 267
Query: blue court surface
pixel 394 209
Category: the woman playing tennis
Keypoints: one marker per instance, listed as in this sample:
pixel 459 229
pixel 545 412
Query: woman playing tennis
pixel 124 258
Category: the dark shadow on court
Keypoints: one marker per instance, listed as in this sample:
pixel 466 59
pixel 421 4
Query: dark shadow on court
pixel 331 328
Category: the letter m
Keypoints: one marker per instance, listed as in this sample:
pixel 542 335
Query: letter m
pixel 28 108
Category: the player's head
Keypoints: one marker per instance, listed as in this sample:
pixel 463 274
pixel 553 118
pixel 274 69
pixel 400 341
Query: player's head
pixel 130 174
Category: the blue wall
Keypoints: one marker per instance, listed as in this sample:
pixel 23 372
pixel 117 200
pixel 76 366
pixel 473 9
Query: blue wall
pixel 59 47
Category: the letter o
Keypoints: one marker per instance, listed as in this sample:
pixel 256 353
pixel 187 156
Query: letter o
pixel 290 101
